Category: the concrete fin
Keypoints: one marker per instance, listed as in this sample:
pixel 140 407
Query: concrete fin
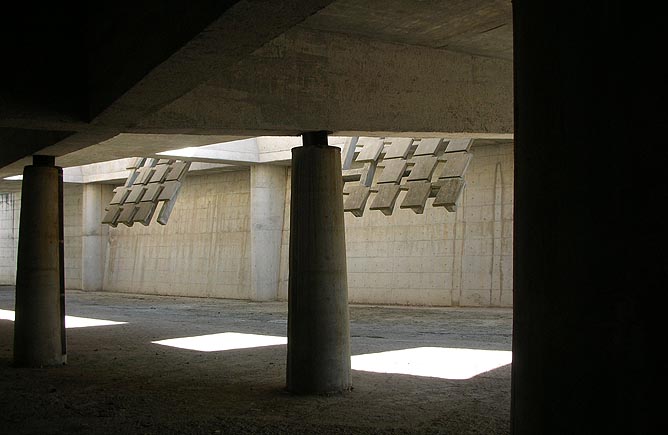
pixel 136 194
pixel 455 145
pixel 385 198
pixel 371 149
pixel 120 194
pixel 127 214
pixel 111 215
pixel 152 192
pixel 398 147
pixel 177 171
pixel 137 163
pixel 159 174
pixel 455 164
pixel 393 171
pixel 423 168
pixel 145 213
pixel 143 175
pixel 169 191
pixel 428 147
pixel 356 200
pixel 416 197
pixel 449 192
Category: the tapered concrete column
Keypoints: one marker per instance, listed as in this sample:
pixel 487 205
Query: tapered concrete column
pixel 39 328
pixel 318 329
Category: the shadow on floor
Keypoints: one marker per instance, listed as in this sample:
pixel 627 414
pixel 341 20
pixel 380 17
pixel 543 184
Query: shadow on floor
pixel 118 381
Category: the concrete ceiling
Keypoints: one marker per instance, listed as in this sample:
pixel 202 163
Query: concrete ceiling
pixel 475 27
pixel 133 79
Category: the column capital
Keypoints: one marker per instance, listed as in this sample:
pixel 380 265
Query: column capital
pixel 315 138
pixel 39 160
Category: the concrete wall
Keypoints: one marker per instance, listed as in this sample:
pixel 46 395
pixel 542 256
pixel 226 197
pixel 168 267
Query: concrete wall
pixel 72 222
pixel 10 208
pixel 204 250
pixel 267 210
pixel 94 235
pixel 437 258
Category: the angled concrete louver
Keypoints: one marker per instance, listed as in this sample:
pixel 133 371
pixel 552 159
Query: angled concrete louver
pixel 424 168
pixel 151 182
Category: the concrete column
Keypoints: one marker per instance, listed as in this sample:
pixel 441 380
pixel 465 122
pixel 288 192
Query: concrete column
pixel 318 324
pixel 94 236
pixel 267 206
pixel 39 328
pixel 590 242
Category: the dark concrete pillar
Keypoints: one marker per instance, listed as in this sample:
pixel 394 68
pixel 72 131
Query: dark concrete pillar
pixel 590 248
pixel 318 324
pixel 39 328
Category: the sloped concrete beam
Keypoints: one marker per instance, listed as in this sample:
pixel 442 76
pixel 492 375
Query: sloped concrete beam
pixel 304 80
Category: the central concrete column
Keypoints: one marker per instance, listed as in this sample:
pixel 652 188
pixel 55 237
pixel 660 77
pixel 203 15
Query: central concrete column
pixel 39 328
pixel 318 329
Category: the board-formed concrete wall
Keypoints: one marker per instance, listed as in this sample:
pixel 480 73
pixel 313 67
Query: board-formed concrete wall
pixel 204 250
pixel 72 223
pixel 437 258
pixel 10 204
pixel 10 208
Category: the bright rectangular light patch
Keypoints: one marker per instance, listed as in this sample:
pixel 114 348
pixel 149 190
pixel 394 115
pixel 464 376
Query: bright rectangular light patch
pixel 70 321
pixel 6 315
pixel 436 362
pixel 223 341
pixel 84 322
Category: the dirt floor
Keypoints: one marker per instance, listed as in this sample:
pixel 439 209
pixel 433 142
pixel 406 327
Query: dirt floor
pixel 117 381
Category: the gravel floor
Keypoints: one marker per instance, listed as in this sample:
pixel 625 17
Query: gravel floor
pixel 118 381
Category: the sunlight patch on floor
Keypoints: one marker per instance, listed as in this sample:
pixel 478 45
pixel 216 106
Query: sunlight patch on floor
pixel 70 321
pixel 223 341
pixel 436 362
pixel 6 315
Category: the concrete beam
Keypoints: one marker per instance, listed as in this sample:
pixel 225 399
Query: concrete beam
pixel 481 27
pixel 242 29
pixel 24 142
pixel 137 62
pixel 304 80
